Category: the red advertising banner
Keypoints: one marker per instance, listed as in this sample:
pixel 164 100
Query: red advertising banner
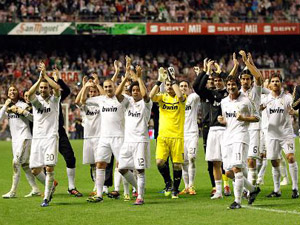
pixel 266 73
pixel 69 76
pixel 223 29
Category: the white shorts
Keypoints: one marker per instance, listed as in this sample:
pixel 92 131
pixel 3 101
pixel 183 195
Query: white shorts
pixel 43 152
pixel 190 147
pixel 89 150
pixel 135 155
pixel 263 143
pixel 235 156
pixel 107 147
pixel 254 151
pixel 275 147
pixel 21 151
pixel 214 143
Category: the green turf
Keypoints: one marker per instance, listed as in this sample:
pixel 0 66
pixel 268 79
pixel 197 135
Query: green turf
pixel 158 209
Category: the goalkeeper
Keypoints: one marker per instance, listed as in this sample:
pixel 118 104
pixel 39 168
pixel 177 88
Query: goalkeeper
pixel 171 129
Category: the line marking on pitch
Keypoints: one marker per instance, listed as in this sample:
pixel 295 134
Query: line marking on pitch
pixel 272 210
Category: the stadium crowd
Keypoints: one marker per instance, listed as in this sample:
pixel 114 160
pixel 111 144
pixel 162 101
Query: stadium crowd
pixel 222 11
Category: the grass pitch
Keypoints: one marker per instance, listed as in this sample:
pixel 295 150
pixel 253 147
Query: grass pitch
pixel 198 209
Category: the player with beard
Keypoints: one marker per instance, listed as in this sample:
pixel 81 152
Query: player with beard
pixel 252 89
pixel 135 152
pixel 44 146
pixel 237 113
pixel 19 117
pixel 112 109
pixel 191 136
pixel 280 134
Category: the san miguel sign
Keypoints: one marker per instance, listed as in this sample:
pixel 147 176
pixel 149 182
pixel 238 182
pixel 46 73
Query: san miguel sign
pixel 222 29
pixel 39 28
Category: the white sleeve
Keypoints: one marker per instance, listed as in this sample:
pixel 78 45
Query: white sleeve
pixel 2 112
pixel 36 103
pixel 253 110
pixel 289 100
pixel 148 104
pixel 125 102
pixel 93 101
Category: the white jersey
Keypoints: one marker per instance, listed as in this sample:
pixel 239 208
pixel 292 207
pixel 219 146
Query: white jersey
pixel 45 116
pixel 112 115
pixel 18 124
pixel 264 116
pixel 279 121
pixel 237 131
pixel 137 117
pixel 91 121
pixel 191 112
pixel 254 95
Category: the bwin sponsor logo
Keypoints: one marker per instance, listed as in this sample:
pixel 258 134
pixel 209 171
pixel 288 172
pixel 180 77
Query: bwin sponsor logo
pixel 134 114
pixel 109 109
pixel 230 114
pixel 44 110
pixel 172 107
pixel 91 113
pixel 13 116
pixel 188 107
pixel 278 110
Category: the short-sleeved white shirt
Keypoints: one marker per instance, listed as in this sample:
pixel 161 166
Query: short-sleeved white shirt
pixel 18 124
pixel 137 116
pixel 45 116
pixel 237 131
pixel 91 120
pixel 279 121
pixel 254 95
pixel 191 112
pixel 112 115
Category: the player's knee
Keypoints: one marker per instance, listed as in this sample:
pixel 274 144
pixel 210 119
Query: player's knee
pixel 36 171
pixel 217 164
pixel 123 171
pixel 177 166
pixel 290 157
pixel 71 162
pixel 275 163
pixel 236 169
pixel 251 162
pixel 160 163
pixel 49 169
pixel 101 165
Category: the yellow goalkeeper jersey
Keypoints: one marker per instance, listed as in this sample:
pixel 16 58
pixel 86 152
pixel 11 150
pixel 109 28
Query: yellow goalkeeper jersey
pixel 171 115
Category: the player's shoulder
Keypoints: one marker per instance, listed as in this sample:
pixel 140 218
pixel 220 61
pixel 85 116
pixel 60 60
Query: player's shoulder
pixel 22 104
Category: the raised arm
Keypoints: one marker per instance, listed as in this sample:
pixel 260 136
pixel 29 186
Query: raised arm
pixel 117 71
pixel 171 77
pixel 162 75
pixel 4 108
pixel 85 92
pixel 235 68
pixel 121 86
pixel 142 86
pixel 97 83
pixel 33 89
pixel 252 68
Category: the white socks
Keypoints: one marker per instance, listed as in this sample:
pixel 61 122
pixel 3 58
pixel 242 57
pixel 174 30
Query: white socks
pixel 192 173
pixel 141 180
pixel 248 185
pixel 30 178
pixel 126 186
pixel 283 169
pixel 276 178
pixel 100 179
pixel 263 168
pixel 218 186
pixel 293 167
pixel 185 174
pixel 41 177
pixel 130 178
pixel 71 178
pixel 252 175
pixel 16 177
pixel 117 179
pixel 238 187
pixel 49 184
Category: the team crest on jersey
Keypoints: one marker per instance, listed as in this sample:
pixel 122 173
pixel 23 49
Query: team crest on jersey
pixel 44 110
